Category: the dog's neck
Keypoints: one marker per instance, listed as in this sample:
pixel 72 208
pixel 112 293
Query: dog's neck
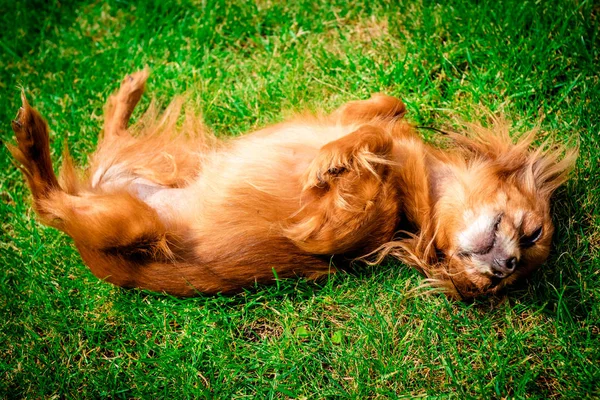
pixel 416 186
pixel 423 174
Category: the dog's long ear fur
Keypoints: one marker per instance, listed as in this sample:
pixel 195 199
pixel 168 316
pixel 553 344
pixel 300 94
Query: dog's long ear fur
pixel 548 167
pixel 542 169
pixel 494 142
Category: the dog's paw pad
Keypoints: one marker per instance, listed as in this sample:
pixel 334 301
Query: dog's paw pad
pixel 29 128
pixel 325 168
pixel 21 121
pixel 334 171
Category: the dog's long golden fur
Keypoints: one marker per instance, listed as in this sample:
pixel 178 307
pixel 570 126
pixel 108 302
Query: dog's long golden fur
pixel 170 208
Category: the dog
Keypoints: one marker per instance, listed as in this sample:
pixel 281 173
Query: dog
pixel 169 207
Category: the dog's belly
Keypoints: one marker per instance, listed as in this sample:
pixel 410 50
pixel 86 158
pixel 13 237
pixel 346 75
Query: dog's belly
pixel 167 202
pixel 244 193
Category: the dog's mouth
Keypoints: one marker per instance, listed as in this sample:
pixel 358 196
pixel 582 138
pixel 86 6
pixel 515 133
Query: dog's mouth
pixel 478 285
pixel 495 282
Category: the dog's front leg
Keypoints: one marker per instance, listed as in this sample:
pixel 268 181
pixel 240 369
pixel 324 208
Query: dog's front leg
pixel 349 195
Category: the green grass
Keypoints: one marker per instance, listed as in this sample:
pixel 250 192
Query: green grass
pixel 367 333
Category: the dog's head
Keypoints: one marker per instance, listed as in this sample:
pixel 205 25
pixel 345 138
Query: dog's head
pixel 491 222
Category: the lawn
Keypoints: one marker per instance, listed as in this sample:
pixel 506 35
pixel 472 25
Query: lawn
pixel 366 333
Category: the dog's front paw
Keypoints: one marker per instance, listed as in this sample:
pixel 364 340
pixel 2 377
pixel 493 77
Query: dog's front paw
pixel 363 151
pixel 329 164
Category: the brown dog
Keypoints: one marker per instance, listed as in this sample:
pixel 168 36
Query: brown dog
pixel 170 208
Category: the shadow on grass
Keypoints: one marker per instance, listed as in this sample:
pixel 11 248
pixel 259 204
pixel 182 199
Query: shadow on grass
pixel 561 286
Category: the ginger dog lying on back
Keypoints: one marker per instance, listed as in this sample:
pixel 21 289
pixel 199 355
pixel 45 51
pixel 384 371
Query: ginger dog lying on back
pixel 173 209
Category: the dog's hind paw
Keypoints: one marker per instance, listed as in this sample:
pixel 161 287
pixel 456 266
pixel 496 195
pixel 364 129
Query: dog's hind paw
pixel 33 149
pixel 132 86
pixel 121 104
pixel 30 129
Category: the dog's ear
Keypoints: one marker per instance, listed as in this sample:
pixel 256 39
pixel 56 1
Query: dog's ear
pixel 542 168
pixel 494 142
pixel 548 167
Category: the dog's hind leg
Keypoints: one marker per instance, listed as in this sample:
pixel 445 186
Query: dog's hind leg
pixel 120 105
pixel 157 151
pixel 121 238
pixel 92 219
pixel 33 151
pixel 350 198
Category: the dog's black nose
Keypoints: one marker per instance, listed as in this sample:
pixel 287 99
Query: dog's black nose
pixel 511 264
pixel 503 268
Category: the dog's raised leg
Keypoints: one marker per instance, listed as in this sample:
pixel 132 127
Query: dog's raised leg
pixel 33 151
pixel 349 195
pixel 120 105
pixel 116 225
